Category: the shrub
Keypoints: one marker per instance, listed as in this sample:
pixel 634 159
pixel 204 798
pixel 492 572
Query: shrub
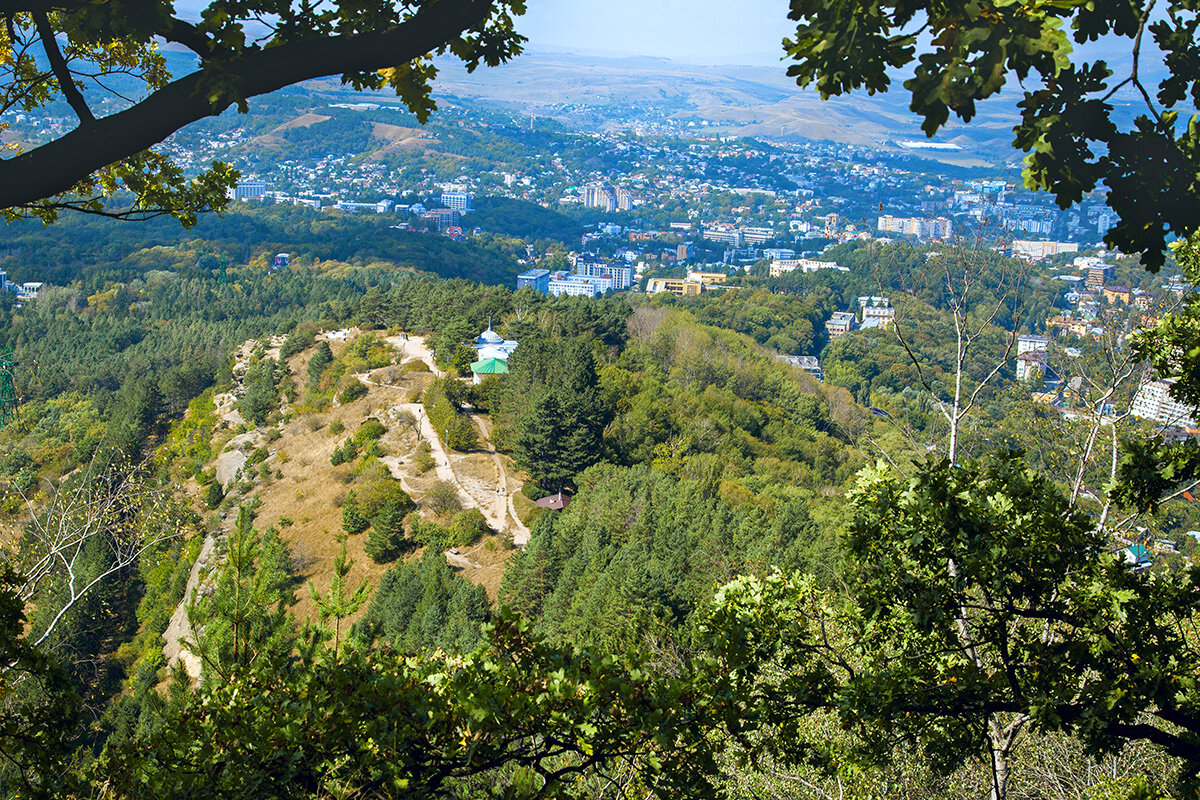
pixel 443 498
pixel 353 520
pixel 533 491
pixel 368 431
pixel 336 427
pixel 424 458
pixel 258 456
pixel 468 526
pixel 344 454
pixel 382 492
pixel 352 389
pixel 214 494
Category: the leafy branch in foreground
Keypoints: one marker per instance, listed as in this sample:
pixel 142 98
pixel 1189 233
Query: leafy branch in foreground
pixel 71 49
pixel 978 605
pixel 1068 128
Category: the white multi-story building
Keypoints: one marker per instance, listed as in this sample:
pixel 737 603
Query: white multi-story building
pixel 620 275
pixel 459 201
pixel 1154 402
pixel 785 265
pixel 1035 251
pixel 578 285
pixel 249 190
pixel 1032 354
pixel 920 227
pixel 757 235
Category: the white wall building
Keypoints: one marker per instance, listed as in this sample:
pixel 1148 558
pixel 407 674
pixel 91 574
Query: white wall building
pixel 1154 402
pixel 490 344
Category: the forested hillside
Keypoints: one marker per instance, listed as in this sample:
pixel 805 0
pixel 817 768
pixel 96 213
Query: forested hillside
pixel 720 609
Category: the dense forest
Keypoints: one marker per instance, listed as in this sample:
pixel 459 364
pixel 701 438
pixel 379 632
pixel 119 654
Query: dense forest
pixel 741 598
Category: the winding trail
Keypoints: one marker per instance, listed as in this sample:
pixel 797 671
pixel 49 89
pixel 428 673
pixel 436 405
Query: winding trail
pixel 496 507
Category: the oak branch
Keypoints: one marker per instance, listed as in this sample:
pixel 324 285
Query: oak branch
pixel 56 49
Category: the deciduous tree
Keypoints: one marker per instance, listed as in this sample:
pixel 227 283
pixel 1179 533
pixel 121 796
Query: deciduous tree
pixel 1074 138
pixel 68 50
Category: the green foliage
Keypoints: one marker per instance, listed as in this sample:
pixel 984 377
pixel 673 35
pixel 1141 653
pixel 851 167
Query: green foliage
pixel 214 494
pixel 245 620
pixel 1074 139
pixel 442 401
pixel 344 453
pixel 424 458
pixel 299 340
pixel 443 498
pixel 352 389
pixel 423 604
pixel 353 519
pixel 556 410
pixel 339 603
pixel 515 718
pixel 369 431
pixel 320 361
pixel 622 562
pixel 262 394
pixel 40 709
pixel 469 525
pixel 386 542
pixel 978 605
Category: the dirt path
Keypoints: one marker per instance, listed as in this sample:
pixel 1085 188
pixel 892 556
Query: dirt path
pixel 414 347
pixel 496 507
pixel 507 485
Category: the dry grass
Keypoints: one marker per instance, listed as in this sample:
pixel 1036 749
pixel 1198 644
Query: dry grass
pixel 302 121
pixel 311 490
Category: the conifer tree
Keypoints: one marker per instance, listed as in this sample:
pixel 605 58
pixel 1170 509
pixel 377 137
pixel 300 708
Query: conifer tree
pixel 386 539
pixel 246 617
pixel 318 363
pixel 338 603
pixel 353 520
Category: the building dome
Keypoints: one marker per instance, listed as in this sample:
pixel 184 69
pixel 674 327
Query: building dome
pixel 489 337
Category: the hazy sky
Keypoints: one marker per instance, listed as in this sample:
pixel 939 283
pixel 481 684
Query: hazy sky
pixel 695 31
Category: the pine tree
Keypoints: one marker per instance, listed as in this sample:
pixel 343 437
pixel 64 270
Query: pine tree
pixel 318 363
pixel 214 494
pixel 386 539
pixel 337 604
pixel 353 520
pixel 246 617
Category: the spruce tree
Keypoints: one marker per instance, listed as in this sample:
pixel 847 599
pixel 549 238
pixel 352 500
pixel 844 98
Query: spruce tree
pixel 386 539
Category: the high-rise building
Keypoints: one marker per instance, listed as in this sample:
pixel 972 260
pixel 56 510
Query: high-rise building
pixel 1032 354
pixel 459 201
pixel 1099 275
pixel 536 279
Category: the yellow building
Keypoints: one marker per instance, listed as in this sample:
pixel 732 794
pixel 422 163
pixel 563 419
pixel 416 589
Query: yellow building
pixel 707 278
pixel 678 286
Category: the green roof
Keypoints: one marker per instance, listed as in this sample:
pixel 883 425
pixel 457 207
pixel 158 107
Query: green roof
pixel 489 366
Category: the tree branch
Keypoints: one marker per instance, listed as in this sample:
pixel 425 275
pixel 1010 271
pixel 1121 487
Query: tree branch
pixel 55 167
pixel 61 71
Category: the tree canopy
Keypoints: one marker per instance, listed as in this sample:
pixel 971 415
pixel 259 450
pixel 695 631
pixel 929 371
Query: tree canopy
pixel 74 51
pixel 1070 128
